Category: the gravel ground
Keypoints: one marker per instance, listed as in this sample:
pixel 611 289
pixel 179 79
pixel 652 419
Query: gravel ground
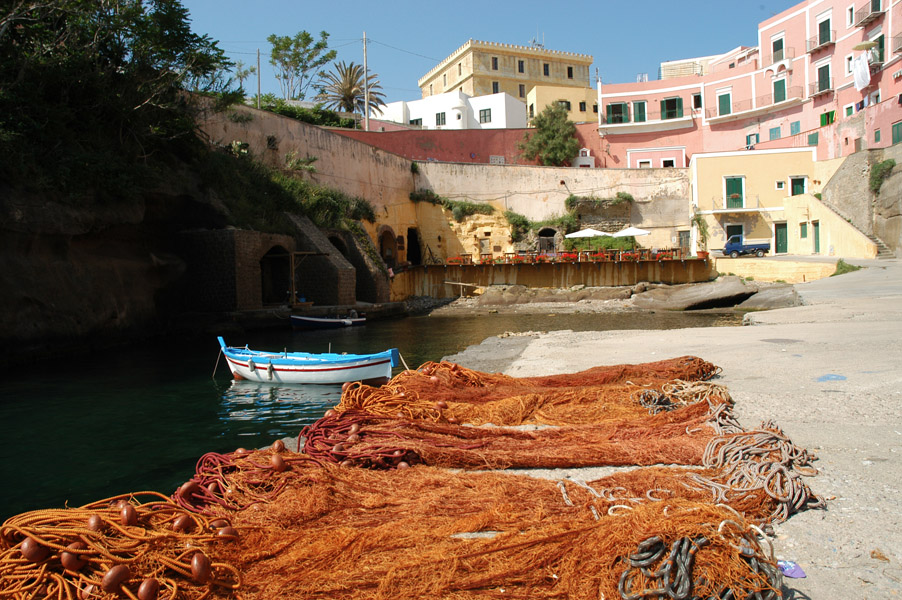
pixel 827 372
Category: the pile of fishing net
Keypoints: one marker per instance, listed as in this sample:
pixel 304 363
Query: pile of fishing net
pixel 387 500
pixel 118 547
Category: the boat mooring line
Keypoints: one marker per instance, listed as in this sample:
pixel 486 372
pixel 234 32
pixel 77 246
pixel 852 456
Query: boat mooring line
pixel 403 362
pixel 218 356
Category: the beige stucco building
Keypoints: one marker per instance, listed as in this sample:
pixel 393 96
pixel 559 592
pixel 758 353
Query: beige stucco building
pixel 482 68
pixel 581 102
pixel 770 196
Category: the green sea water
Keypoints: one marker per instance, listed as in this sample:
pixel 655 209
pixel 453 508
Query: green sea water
pixel 139 418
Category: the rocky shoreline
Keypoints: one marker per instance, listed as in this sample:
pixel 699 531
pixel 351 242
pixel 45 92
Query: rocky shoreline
pixel 728 292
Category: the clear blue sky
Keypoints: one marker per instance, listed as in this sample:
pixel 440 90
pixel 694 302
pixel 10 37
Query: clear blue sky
pixel 408 38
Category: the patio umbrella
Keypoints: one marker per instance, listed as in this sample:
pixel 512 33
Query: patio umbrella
pixel 588 232
pixel 631 231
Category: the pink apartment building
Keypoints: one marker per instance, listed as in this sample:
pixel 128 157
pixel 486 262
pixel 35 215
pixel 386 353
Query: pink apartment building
pixel 826 73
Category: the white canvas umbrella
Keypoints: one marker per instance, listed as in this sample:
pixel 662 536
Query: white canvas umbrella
pixel 588 232
pixel 631 231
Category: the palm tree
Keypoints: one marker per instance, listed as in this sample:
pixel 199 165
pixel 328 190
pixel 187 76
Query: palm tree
pixel 342 89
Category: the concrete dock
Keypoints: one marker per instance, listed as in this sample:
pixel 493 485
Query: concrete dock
pixel 829 373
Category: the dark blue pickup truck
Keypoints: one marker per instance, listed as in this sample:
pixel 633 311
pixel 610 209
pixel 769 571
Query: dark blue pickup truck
pixel 734 247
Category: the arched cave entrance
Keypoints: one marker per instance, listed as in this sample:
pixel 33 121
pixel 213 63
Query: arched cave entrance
pixel 388 247
pixel 275 282
pixel 339 245
pixel 414 252
pixel 546 240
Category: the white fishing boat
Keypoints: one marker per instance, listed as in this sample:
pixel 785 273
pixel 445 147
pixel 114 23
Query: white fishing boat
pixel 304 367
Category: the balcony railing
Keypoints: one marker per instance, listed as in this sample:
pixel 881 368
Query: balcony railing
pixel 822 86
pixel 821 41
pixel 651 115
pixel 875 58
pixel 776 57
pixel 868 12
pixel 744 203
pixel 897 44
pixel 760 102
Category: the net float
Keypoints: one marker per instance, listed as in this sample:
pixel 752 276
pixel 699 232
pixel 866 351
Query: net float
pixel 354 428
pixel 403 465
pixel 149 589
pixel 219 523
pixel 227 533
pixel 277 463
pixel 347 463
pixel 86 592
pixel 241 452
pixel 278 446
pixel 96 523
pixel 213 487
pixel 330 413
pixel 353 438
pixel 189 489
pixel 114 578
pixel 345 385
pixel 441 405
pixel 338 448
pixel 33 550
pixel 452 420
pixel 397 453
pixel 434 380
pixel 71 560
pixel 128 515
pixel 200 567
pixel 184 523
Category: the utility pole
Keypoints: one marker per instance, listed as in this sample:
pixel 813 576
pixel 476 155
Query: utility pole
pixel 366 89
pixel 258 77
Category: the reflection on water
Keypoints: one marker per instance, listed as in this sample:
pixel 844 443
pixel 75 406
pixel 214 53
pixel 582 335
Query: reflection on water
pixel 278 410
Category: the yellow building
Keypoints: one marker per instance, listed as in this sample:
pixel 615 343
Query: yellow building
pixel 581 103
pixel 482 68
pixel 769 196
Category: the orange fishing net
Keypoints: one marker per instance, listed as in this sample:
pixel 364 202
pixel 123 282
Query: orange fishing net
pixel 270 523
pixel 424 532
pixel 115 547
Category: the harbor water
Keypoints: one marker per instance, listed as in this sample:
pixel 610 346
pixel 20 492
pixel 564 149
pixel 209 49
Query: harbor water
pixel 139 418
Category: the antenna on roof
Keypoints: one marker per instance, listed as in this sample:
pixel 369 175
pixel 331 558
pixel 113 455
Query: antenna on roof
pixel 534 42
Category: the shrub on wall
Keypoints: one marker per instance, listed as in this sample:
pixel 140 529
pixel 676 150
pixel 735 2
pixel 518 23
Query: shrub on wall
pixel 879 173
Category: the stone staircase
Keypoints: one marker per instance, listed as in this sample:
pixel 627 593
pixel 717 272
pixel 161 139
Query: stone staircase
pixel 883 251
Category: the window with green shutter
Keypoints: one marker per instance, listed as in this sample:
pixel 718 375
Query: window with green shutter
pixel 777 46
pixel 779 90
pixel 795 128
pixel 733 187
pixel 751 139
pixel 812 139
pixel 828 117
pixel 618 112
pixel 803 230
pixel 724 104
pixel 897 132
pixel 823 32
pixel 876 136
pixel 639 111
pixel 671 108
pixel 823 78
pixel 775 133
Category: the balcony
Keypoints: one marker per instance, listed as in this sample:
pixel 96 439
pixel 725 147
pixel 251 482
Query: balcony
pixel 651 121
pixel 821 41
pixel 870 11
pixel 780 55
pixel 823 86
pixel 875 59
pixel 897 44
pixel 742 109
pixel 744 204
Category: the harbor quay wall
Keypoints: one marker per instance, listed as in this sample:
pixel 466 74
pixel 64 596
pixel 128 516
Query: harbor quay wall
pixel 441 281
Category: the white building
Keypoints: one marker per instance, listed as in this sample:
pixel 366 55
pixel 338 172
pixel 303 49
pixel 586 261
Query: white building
pixel 456 110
